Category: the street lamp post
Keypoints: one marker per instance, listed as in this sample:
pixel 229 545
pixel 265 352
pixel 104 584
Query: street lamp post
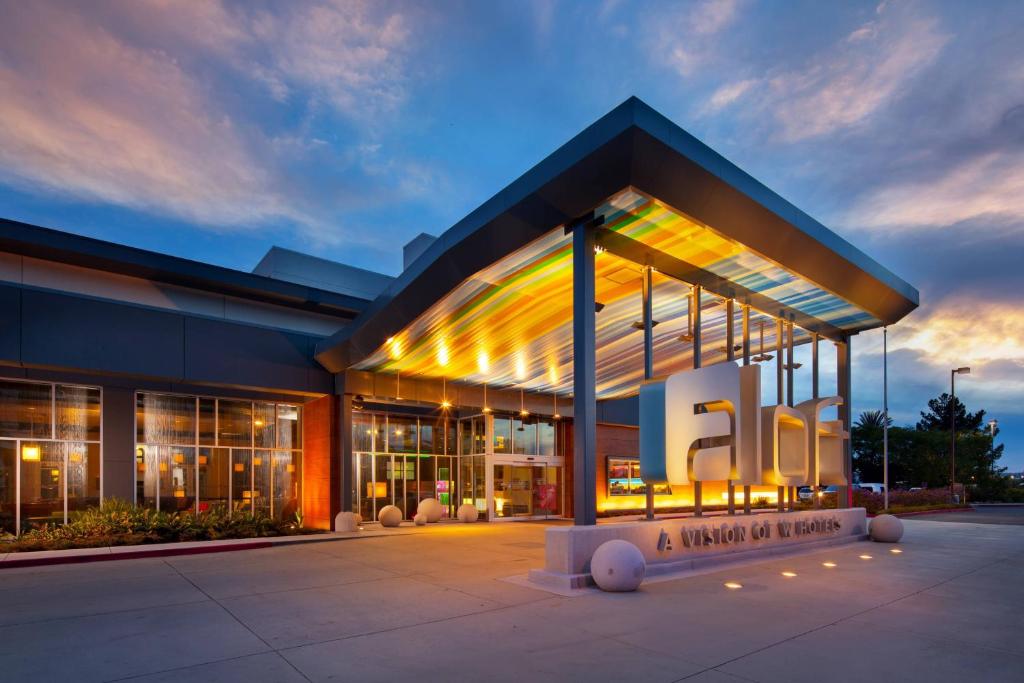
pixel 952 427
pixel 993 424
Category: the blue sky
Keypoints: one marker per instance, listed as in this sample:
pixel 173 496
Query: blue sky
pixel 212 130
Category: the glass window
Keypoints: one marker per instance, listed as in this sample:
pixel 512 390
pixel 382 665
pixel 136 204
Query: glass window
pixel 427 435
pixel 234 423
pixel 42 484
pixel 502 434
pixel 524 438
pixel 264 423
pixel 546 436
pixel 479 434
pixel 261 468
pixel 177 475
pixel 287 473
pixel 207 422
pixel 241 480
pixel 8 486
pixel 289 426
pixel 83 475
pixel 78 413
pixel 214 468
pixel 366 487
pixel 165 419
pixel 26 410
pixel 362 432
pixel 466 436
pixel 402 434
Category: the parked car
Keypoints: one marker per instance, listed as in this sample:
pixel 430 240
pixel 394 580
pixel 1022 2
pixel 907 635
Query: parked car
pixel 806 492
pixel 874 488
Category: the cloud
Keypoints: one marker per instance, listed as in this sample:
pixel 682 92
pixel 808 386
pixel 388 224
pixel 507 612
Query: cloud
pixel 88 115
pixel 143 104
pixel 853 83
pixel 685 38
pixel 727 94
pixel 990 186
pixel 347 53
pixel 840 87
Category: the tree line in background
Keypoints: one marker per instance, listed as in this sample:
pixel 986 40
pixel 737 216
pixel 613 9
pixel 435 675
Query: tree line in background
pixel 919 456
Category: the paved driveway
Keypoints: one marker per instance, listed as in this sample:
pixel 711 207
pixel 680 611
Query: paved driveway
pixel 432 606
pixel 996 514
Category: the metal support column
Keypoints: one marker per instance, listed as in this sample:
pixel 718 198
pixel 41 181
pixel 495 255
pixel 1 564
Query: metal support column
pixel 844 382
pixel 746 361
pixel 780 500
pixel 648 320
pixel 815 392
pixel 584 378
pixel 698 501
pixel 730 356
pixel 789 394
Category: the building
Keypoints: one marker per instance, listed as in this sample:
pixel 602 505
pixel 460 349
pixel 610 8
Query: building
pixel 500 368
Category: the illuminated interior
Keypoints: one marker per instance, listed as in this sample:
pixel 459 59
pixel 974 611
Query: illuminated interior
pixel 511 324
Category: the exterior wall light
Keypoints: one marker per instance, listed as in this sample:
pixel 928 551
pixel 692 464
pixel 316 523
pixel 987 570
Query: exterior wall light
pixel 30 453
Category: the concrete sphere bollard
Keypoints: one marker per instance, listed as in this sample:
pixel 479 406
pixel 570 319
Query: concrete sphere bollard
pixel 468 513
pixel 347 521
pixel 886 529
pixel 431 508
pixel 389 515
pixel 359 517
pixel 617 566
pixel 419 519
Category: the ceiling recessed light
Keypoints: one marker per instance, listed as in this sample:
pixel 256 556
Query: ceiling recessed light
pixel 789 575
pixel 895 551
pixel 732 585
pixel 830 565
pixel 864 557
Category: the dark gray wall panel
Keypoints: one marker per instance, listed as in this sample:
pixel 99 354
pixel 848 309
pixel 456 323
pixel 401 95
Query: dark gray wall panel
pixel 622 411
pixel 229 353
pixel 10 324
pixel 66 331
pixel 118 442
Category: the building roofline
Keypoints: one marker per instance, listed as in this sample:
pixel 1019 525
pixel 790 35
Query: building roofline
pixel 55 245
pixel 633 145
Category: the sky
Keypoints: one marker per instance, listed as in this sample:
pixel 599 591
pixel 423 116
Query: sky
pixel 215 129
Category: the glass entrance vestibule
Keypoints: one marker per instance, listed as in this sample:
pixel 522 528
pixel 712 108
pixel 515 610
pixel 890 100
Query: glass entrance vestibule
pixel 507 466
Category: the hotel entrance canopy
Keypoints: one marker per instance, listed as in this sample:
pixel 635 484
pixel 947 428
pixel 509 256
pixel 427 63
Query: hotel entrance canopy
pixel 491 301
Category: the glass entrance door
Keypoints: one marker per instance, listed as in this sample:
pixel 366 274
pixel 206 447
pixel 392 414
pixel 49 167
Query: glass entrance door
pixel 527 491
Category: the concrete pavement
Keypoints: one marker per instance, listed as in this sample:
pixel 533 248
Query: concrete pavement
pixel 434 606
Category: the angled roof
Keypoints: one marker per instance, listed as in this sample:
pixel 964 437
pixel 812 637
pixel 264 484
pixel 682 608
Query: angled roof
pixel 634 151
pixel 54 245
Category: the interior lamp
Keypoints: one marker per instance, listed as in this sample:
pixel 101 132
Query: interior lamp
pixel 30 453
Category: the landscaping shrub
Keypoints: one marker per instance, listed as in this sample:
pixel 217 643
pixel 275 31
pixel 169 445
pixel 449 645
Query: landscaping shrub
pixel 118 522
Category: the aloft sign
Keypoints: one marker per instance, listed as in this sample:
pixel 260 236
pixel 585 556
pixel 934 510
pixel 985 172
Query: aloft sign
pixel 709 425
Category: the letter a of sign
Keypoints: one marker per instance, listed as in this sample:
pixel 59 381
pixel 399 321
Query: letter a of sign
pixel 677 412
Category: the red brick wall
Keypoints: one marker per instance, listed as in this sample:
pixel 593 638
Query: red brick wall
pixel 614 440
pixel 320 461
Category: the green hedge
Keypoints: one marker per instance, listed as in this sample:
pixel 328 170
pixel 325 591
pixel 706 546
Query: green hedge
pixel 117 522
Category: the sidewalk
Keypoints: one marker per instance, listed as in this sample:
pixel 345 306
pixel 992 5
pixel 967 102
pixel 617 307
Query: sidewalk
pixel 133 552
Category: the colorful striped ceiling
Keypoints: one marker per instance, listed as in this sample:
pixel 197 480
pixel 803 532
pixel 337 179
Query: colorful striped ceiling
pixel 511 324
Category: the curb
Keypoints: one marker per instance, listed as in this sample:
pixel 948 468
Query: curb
pixel 139 552
pixel 915 513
